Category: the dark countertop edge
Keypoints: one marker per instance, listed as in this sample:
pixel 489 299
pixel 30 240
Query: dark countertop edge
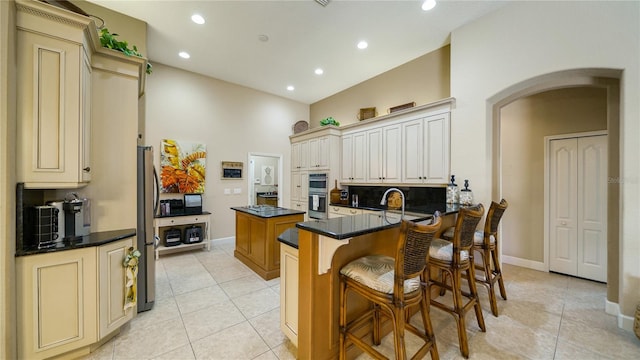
pixel 178 215
pixel 289 237
pixel 91 240
pixel 449 209
pixel 272 213
pixel 347 235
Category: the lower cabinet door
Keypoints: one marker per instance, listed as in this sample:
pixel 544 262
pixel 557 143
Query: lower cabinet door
pixel 289 292
pixel 56 302
pixel 112 286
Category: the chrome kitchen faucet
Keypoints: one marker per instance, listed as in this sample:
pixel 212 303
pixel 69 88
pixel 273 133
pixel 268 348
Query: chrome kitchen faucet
pixel 384 199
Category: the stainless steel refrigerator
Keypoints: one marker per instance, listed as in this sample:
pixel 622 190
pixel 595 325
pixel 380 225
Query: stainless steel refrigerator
pixel 148 193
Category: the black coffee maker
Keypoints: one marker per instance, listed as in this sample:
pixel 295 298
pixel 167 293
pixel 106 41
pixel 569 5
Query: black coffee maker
pixel 76 214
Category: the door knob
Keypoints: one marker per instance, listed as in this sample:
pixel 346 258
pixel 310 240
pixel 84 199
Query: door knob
pixel 563 223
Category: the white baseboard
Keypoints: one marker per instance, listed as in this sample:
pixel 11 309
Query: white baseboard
pixel 525 263
pixel 625 322
pixel 611 308
pixel 223 240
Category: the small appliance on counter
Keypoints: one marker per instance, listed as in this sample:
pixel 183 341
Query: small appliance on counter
pixel 192 234
pixel 58 205
pixel 172 237
pixel 172 207
pixel 77 217
pixel 192 204
pixel 41 228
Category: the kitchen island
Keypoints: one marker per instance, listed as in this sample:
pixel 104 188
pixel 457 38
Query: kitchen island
pixel 257 230
pixel 325 246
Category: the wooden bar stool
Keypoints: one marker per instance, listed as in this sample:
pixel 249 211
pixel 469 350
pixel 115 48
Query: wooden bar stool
pixel 453 259
pixel 486 244
pixel 392 285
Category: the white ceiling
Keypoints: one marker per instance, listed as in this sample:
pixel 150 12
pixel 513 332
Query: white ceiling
pixel 303 36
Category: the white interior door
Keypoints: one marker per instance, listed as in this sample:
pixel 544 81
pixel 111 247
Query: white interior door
pixel 592 208
pixel 563 230
pixel 578 207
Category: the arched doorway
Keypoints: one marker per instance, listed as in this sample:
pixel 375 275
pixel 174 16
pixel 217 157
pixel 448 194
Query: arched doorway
pixel 605 81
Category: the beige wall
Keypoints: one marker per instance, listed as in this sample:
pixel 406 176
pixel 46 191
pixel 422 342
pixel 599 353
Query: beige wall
pixel 129 29
pixel 231 120
pixel 512 55
pixel 7 180
pixel 524 124
pixel 422 80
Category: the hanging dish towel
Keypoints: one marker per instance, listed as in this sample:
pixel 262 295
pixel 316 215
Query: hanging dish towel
pixel 130 264
pixel 315 199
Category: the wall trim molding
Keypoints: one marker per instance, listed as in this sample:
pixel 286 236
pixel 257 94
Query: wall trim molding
pixel 525 263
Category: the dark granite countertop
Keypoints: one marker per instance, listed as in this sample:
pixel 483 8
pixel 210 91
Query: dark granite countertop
pixel 93 239
pixel 266 211
pixel 349 226
pixel 445 209
pixel 289 237
pixel 182 214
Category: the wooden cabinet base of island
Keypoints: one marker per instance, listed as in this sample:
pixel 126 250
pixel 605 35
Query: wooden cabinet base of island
pixel 318 332
pixel 257 243
pixel 70 300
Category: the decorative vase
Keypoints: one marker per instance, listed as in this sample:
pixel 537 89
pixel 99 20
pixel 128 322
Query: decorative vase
pixel 452 191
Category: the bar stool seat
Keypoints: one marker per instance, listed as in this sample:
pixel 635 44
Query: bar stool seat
pixel 452 260
pixel 486 244
pixel 392 286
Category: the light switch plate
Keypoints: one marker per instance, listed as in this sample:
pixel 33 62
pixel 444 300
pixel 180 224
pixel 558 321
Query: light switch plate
pixel 237 191
pixel 227 191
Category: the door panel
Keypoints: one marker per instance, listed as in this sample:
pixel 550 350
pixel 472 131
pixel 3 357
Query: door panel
pixel 578 207
pixel 592 208
pixel 563 234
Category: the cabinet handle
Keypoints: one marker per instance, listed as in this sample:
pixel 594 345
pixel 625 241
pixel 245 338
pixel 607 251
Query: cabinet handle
pixel 87 169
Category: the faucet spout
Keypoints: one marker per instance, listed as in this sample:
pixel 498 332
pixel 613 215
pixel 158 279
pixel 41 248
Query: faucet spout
pixel 384 198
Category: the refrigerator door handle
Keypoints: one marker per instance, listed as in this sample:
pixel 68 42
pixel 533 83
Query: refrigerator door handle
pixel 156 191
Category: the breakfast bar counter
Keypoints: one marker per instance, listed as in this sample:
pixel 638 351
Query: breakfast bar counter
pixel 324 247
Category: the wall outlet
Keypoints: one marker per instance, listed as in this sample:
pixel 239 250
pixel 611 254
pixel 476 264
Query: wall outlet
pixel 237 191
pixel 227 191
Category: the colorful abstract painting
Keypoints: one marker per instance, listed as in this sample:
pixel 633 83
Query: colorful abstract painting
pixel 182 166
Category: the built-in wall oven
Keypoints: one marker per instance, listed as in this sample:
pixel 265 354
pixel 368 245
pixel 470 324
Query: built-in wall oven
pixel 318 191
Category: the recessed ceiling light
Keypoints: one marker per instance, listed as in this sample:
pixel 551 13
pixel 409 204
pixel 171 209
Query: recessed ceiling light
pixel 428 5
pixel 263 38
pixel 290 88
pixel 362 45
pixel 184 54
pixel 319 71
pixel 198 19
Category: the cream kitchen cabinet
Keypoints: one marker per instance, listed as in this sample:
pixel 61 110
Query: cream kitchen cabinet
pixel 300 186
pixel 54 96
pixel 321 150
pixel 300 156
pixel 289 292
pixel 354 155
pixel 384 154
pixel 69 300
pixel 425 150
pixel 111 290
pixel 339 211
pixel 301 206
pixel 57 302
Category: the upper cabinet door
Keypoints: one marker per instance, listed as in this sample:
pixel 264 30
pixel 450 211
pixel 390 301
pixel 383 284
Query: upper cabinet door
pixel 412 152
pixel 436 149
pixel 392 154
pixel 53 112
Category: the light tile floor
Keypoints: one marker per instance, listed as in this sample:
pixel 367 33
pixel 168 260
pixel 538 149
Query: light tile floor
pixel 211 306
